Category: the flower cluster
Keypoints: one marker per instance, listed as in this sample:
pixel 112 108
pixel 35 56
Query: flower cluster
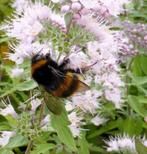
pixel 103 7
pixel 101 55
pixel 5 136
pixel 123 144
pixel 137 33
pixel 126 47
pixel 76 122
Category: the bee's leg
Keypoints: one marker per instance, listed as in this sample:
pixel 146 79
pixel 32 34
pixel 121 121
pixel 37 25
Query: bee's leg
pixel 64 63
pixel 84 69
pixel 78 70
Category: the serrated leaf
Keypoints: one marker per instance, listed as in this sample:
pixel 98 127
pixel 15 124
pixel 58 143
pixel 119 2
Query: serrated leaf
pixel 137 106
pixel 131 126
pixel 26 85
pixel 43 148
pixel 110 125
pixel 17 141
pixel 60 124
pixel 141 149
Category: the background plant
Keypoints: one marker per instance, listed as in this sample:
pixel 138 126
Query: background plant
pixel 113 120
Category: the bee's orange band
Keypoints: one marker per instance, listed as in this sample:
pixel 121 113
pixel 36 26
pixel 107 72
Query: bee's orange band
pixel 38 65
pixel 64 86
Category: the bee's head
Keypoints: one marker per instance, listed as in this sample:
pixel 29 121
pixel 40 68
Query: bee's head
pixel 38 57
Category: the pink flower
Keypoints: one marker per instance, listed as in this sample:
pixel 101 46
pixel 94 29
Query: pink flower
pixel 76 6
pixel 65 8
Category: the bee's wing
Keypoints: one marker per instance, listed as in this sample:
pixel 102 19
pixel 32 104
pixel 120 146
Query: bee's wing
pixel 81 85
pixel 55 104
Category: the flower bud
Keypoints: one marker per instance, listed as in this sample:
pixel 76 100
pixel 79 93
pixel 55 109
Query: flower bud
pixel 65 8
pixel 76 16
pixel 145 37
pixel 76 6
pixel 84 11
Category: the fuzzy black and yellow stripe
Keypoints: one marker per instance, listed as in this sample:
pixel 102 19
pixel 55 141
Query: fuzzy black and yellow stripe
pixel 68 86
pixel 37 65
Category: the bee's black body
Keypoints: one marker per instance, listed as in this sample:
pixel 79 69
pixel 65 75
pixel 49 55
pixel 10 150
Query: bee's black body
pixel 44 75
pixel 56 79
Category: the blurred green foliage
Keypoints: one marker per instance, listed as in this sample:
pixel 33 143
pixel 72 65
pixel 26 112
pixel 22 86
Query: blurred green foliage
pixel 5 9
pixel 139 12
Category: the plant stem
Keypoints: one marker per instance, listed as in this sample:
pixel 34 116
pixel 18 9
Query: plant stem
pixel 41 112
pixel 128 68
pixel 29 147
pixel 30 144
pixel 68 27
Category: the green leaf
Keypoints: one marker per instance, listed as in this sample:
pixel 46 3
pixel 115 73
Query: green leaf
pixel 84 148
pixel 4 39
pixel 137 106
pixel 2 118
pixel 26 85
pixel 6 151
pixel 141 149
pixel 143 62
pixel 60 124
pixel 131 125
pixel 42 148
pixel 142 99
pixel 7 92
pixel 4 126
pixel 17 141
pixel 139 80
pixel 68 18
pixel 110 125
pixel 11 120
pixel 135 67
pixel 54 104
pixel 97 150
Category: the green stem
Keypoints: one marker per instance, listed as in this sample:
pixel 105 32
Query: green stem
pixel 29 147
pixel 127 84
pixel 30 144
pixel 41 112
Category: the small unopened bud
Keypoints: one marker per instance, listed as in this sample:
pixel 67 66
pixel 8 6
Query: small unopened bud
pixel 76 6
pixel 65 8
pixel 76 16
pixel 84 11
pixel 145 37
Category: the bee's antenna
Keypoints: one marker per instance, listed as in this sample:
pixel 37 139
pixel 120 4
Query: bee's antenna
pixel 84 69
pixel 94 63
pixel 40 50
pixel 33 53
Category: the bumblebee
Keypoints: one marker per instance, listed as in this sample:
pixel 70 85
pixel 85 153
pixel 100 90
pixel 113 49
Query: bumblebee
pixel 56 79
